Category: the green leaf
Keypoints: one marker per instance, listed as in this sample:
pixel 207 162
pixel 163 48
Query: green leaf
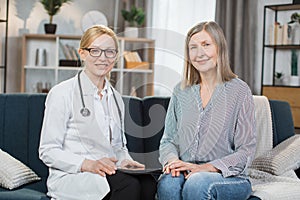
pixel 135 16
pixel 53 6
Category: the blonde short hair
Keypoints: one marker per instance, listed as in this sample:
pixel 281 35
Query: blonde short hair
pixel 93 33
pixel 224 73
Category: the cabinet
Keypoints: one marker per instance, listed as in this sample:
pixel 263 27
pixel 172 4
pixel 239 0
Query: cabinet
pixel 44 63
pixel 277 56
pixel 3 41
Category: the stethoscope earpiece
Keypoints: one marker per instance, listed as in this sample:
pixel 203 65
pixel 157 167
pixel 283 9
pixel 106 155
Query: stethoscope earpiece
pixel 85 112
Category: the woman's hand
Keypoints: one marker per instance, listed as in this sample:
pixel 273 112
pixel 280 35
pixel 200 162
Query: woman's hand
pixel 102 166
pixel 168 170
pixel 131 164
pixel 188 169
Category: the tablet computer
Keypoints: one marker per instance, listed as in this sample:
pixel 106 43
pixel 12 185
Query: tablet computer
pixel 141 171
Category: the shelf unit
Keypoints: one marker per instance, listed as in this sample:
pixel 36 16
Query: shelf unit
pixel 276 58
pixel 4 32
pixel 123 79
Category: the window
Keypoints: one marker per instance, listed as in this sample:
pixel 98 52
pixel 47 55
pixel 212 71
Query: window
pixel 171 20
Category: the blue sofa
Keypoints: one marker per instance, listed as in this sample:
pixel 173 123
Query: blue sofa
pixel 21 118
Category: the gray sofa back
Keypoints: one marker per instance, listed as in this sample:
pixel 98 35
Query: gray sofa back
pixel 21 118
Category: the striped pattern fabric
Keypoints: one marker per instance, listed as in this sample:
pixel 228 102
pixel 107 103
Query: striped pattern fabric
pixel 223 133
pixel 13 173
pixel 280 159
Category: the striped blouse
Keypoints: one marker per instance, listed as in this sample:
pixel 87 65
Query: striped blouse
pixel 223 133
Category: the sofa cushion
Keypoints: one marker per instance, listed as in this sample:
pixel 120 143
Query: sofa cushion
pixel 21 117
pixel 134 127
pixel 14 173
pixel 21 194
pixel 282 121
pixel 154 113
pixel 282 158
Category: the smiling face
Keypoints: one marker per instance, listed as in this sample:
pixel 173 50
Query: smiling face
pixel 99 66
pixel 203 52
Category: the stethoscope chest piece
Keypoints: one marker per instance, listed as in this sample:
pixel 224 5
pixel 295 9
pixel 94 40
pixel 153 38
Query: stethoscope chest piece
pixel 85 112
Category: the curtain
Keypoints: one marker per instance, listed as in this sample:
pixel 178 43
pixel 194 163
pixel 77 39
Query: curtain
pixel 239 22
pixel 171 20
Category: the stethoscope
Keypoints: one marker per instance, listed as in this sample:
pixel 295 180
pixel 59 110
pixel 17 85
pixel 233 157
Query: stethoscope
pixel 85 112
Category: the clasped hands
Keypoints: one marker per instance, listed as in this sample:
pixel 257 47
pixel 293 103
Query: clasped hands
pixel 108 166
pixel 177 166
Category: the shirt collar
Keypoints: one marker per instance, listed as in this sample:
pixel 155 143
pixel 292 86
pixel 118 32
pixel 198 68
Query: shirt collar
pixel 94 88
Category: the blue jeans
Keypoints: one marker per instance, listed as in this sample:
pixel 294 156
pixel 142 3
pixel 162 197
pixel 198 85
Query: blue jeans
pixel 203 186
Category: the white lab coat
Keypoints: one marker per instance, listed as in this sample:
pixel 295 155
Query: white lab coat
pixel 67 138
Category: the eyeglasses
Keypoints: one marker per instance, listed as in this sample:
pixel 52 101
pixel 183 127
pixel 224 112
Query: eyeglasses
pixel 95 52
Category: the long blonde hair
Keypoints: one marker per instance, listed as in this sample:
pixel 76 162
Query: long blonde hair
pixel 224 73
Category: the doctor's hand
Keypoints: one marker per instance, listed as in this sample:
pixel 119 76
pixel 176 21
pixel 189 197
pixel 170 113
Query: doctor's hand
pixel 102 166
pixel 131 164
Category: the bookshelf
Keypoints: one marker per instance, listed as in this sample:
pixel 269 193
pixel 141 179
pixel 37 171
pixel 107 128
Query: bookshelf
pixel 276 58
pixel 61 62
pixel 3 40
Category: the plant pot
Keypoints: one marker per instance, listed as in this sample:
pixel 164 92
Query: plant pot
pixel 50 28
pixel 131 32
pixel 278 81
pixel 294 81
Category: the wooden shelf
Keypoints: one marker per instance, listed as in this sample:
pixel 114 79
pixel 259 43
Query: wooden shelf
pixel 290 46
pixel 289 94
pixel 53 73
pixel 284 7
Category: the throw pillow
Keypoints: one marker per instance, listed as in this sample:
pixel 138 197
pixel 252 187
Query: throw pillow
pixel 282 158
pixel 14 173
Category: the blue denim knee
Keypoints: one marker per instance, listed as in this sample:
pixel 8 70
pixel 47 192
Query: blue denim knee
pixel 203 186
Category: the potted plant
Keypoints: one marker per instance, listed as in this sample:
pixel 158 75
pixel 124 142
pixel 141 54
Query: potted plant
pixel 278 78
pixel 135 17
pixel 295 20
pixel 52 7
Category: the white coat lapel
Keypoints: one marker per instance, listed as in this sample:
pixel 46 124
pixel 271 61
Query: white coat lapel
pixel 90 134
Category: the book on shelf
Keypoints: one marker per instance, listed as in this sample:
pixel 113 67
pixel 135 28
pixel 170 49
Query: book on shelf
pixel 277 33
pixel 132 56
pixel 286 34
pixel 69 51
pixel 280 34
pixel 133 60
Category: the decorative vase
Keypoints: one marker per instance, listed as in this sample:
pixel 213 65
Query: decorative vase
pixel 131 32
pixel 50 28
pixel 278 81
pixel 294 81
pixel 296 33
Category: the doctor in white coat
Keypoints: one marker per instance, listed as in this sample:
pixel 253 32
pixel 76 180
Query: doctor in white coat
pixel 82 139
